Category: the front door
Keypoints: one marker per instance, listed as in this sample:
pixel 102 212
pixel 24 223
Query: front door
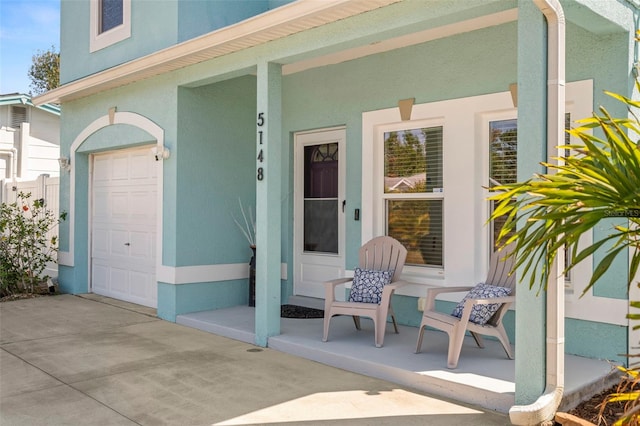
pixel 319 209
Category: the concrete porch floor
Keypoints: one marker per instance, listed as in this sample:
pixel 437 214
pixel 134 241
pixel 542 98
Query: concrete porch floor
pixel 484 377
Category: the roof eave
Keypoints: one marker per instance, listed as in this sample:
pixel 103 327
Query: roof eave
pixel 21 99
pixel 281 22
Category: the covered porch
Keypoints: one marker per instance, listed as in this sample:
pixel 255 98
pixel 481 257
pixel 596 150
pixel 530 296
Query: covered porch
pixel 484 377
pixel 230 93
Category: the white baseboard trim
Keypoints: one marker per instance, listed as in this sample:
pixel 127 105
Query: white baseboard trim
pixel 207 273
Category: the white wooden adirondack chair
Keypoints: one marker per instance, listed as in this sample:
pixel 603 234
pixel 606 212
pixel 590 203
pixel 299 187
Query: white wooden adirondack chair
pixel 379 254
pixel 456 328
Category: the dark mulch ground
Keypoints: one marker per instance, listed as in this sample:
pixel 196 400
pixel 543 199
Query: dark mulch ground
pixel 17 296
pixel 293 311
pixel 590 409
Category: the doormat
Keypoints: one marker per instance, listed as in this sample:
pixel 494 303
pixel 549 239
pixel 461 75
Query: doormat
pixel 293 311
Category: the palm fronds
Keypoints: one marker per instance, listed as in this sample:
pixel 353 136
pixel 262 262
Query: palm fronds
pixel 553 210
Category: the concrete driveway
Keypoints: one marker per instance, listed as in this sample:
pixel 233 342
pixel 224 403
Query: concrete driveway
pixel 69 360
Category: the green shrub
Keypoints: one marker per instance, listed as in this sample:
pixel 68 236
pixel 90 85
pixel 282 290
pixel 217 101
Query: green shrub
pixel 26 246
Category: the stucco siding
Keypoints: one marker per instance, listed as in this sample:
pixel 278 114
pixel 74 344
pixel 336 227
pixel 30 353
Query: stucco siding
pixel 154 99
pixel 442 69
pixel 174 300
pixel 152 28
pixel 199 17
pixel 596 340
pixel 216 145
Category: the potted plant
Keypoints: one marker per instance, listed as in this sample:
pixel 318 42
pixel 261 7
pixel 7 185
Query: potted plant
pixel 247 226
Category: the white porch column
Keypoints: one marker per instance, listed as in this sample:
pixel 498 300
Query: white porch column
pixel 268 207
pixel 532 136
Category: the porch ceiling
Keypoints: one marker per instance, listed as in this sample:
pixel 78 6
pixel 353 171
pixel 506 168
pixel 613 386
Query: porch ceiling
pixel 411 39
pixel 278 23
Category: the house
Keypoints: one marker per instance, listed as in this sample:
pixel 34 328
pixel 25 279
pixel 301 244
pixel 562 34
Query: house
pixel 404 183
pixel 29 152
pixel 174 111
pixel 29 138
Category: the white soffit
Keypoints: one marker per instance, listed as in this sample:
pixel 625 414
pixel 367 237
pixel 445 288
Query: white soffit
pixel 275 24
pixel 404 41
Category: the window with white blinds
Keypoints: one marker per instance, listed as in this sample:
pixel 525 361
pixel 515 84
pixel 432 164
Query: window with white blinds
pixel 503 162
pixel 503 167
pixel 413 192
pixel 439 163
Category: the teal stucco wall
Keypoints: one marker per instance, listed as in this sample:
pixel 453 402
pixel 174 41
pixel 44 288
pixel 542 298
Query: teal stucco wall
pixel 337 95
pixel 216 171
pixel 200 17
pixel 174 300
pixel 153 28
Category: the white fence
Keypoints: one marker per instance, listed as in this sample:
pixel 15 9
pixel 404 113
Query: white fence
pixel 43 188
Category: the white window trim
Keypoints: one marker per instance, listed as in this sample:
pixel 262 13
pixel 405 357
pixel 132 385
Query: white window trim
pixel 99 40
pixel 380 197
pixel 579 99
pixel 579 103
pixel 483 206
pixel 458 118
pixel 581 272
pixel 468 130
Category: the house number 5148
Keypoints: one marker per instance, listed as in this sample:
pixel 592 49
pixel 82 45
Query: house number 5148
pixel 260 123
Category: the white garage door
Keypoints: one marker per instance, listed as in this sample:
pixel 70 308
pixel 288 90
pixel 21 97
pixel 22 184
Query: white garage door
pixel 123 242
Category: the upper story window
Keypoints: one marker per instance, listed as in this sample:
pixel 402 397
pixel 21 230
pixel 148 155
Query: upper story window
pixel 111 12
pixel 110 22
pixel 412 193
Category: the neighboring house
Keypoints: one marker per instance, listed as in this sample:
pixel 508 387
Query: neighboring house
pixel 29 152
pixel 29 138
pixel 174 110
pixel 404 183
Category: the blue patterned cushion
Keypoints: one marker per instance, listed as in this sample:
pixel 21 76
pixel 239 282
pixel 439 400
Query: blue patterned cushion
pixel 367 285
pixel 481 314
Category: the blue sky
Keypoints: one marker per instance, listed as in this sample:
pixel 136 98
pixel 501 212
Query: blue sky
pixel 26 26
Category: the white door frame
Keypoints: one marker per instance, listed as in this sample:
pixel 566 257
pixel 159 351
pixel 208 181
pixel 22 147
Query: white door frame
pixel 325 266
